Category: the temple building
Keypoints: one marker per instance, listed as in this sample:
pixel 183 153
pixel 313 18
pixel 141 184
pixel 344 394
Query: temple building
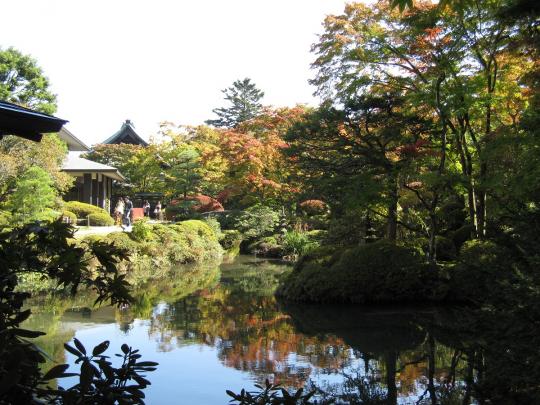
pixel 94 181
pixel 126 134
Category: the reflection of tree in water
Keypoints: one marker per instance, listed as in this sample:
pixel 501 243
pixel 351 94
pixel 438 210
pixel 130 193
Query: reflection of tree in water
pixel 250 333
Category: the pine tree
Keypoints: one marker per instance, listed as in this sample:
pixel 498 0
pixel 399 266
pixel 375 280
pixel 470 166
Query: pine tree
pixel 244 98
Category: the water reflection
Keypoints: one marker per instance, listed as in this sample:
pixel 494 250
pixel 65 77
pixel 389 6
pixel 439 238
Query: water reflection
pixel 354 355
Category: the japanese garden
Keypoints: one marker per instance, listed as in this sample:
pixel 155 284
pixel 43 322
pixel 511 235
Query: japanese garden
pixel 381 247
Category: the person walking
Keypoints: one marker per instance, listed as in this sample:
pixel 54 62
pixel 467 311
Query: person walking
pixel 146 208
pixel 119 211
pixel 128 211
pixel 157 211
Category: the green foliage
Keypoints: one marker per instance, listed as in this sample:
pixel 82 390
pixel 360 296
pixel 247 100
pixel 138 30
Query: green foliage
pixel 375 272
pixel 268 246
pixel 484 270
pixel 5 219
pixel 82 210
pixel 33 199
pixel 100 219
pixel 160 246
pixel 270 394
pixel 257 221
pixel 22 82
pixel 99 380
pixel 216 227
pixel 231 241
pixel 141 231
pixel 17 155
pixel 298 243
pixel 47 251
pixel 69 217
pixel 243 97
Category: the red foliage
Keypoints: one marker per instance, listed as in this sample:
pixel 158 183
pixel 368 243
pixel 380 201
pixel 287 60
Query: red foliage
pixel 313 207
pixel 202 203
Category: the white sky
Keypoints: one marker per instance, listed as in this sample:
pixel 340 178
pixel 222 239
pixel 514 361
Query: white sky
pixel 158 60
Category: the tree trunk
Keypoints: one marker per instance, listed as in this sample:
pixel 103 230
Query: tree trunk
pixel 393 208
pixel 391 370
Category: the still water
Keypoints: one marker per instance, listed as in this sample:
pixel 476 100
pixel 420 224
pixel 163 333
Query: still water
pixel 214 328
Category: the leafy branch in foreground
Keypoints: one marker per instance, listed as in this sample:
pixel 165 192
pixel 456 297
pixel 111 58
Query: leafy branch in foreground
pixel 48 250
pixel 99 381
pixel 270 394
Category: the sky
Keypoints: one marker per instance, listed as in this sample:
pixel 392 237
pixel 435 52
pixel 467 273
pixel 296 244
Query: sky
pixel 164 60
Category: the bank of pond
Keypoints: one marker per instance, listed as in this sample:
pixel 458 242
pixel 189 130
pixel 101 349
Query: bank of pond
pixel 215 326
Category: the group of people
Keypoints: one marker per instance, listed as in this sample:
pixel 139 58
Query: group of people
pixel 123 212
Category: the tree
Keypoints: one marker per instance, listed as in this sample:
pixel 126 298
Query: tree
pixel 48 251
pixel 244 98
pixel 365 152
pixel 17 155
pixel 22 82
pixel 137 163
pixel 33 198
pixel 449 64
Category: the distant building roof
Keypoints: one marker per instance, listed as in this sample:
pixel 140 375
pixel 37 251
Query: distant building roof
pixel 73 143
pixel 76 165
pixel 126 134
pixel 26 123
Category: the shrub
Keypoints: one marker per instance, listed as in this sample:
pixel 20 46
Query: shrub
pixel 375 272
pixel 298 243
pixel 461 235
pixel 141 231
pixel 82 210
pixel 483 266
pixel 123 241
pixel 445 249
pixel 69 217
pixel 216 227
pixel 5 219
pixel 313 207
pixel 100 219
pixel 257 221
pixel 268 246
pixel 350 229
pixel 231 240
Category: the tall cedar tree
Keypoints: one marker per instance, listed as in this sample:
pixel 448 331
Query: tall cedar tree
pixel 244 98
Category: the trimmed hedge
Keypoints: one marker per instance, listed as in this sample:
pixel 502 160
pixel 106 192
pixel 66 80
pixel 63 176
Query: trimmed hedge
pixel 82 210
pixel 69 217
pixel 376 272
pixel 100 219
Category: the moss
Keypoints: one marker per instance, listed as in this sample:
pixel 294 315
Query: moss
pixel 82 210
pixel 376 272
pixel 100 219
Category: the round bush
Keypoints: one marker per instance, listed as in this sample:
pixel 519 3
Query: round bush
pixel 482 269
pixel 82 210
pixel 375 272
pixel 313 207
pixel 100 219
pixel 69 217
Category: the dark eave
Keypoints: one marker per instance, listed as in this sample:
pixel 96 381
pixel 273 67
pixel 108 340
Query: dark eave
pixel 26 123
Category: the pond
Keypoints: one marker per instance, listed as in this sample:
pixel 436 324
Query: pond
pixel 214 328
